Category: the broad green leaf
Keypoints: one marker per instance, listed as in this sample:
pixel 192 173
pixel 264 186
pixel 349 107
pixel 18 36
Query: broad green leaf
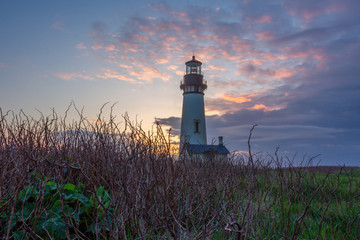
pixel 70 187
pixel 51 185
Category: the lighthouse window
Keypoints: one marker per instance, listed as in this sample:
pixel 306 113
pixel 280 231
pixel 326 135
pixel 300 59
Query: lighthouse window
pixel 197 125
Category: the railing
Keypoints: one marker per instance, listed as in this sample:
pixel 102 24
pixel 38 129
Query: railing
pixel 182 82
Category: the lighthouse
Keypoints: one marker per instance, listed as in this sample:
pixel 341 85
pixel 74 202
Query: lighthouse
pixel 193 126
pixel 193 86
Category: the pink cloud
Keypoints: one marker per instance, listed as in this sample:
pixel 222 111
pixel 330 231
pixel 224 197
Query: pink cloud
pixel 110 47
pixel 81 46
pixel 126 66
pixel 129 47
pixel 113 74
pixel 149 73
pixel 147 29
pixel 252 61
pixel 172 67
pixel 96 46
pixel 265 35
pixel 73 76
pixel 283 74
pixel 179 73
pixel 317 53
pixel 273 57
pixel 215 68
pixel 171 38
pixel 162 60
pixel 261 19
pixel 308 12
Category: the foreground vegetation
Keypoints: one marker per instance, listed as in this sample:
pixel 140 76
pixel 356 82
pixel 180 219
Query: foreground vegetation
pixel 103 180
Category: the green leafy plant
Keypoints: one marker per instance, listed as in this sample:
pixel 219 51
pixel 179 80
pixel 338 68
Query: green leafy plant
pixel 55 210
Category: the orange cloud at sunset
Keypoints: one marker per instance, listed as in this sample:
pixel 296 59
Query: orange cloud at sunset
pixel 149 73
pixel 240 99
pixel 110 47
pixel 113 74
pixel 126 66
pixel 273 57
pixel 162 60
pixel 216 68
pixel 172 67
pixel 73 76
pixel 264 108
pixel 283 74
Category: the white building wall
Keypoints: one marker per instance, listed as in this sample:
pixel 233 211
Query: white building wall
pixel 193 110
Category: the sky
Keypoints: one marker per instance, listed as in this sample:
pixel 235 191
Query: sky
pixel 290 66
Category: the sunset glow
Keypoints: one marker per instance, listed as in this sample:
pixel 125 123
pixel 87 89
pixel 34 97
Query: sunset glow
pixel 276 64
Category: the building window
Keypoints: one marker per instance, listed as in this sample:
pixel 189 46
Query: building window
pixel 197 126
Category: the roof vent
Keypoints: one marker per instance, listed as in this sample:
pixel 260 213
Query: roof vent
pixel 221 141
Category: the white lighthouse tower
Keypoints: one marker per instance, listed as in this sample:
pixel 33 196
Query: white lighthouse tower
pixel 193 127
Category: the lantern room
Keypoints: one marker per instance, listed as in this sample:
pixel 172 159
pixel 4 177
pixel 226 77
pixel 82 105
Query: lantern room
pixel 193 80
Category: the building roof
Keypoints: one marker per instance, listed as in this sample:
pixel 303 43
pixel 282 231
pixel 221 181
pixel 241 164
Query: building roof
pixel 200 149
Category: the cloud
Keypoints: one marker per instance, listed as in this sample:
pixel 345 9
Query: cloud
pixel 148 73
pixel 255 72
pixel 290 66
pixel 216 68
pixel 113 74
pixel 261 19
pixel 264 108
pixel 265 35
pixel 80 46
pixel 308 9
pixel 58 25
pixel 310 34
pixel 239 99
pixel 73 76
